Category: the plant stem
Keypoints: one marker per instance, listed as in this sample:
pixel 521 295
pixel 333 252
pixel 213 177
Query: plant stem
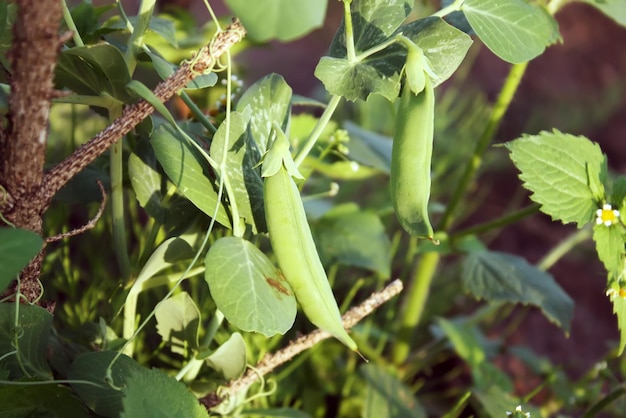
pixel 135 43
pixel 498 223
pixel 348 31
pixel 414 305
pixel 501 106
pixel 67 18
pixel 318 129
pixel 456 5
pixel 564 247
pixel 197 112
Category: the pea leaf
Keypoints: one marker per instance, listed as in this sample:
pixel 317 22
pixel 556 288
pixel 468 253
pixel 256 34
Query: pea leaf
pixel 188 170
pixel 340 235
pixel 23 348
pixel 17 248
pixel 386 396
pixel 504 277
pixel 610 242
pixel 51 401
pixel 178 319
pixel 285 20
pixel 615 9
pixel 556 167
pixel 269 102
pixel 251 293
pixel 515 30
pixel 230 358
pixel 242 158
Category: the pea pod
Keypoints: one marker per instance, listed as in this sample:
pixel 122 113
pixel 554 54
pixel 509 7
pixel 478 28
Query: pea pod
pixel 293 243
pixel 410 159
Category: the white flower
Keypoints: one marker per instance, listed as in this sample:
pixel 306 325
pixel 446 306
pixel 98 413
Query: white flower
pixel 607 215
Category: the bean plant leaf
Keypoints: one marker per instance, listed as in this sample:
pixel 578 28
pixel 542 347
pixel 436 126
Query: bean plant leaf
pixel 51 401
pixel 515 30
pixel 24 341
pixel 188 170
pixel 94 70
pixel 150 393
pixel 284 20
pixel 251 293
pixel 17 248
pixel 269 102
pixel 386 396
pixel 556 167
pixel 615 9
pixel 340 235
pixel 504 277
pixel 242 159
pixel 230 358
pixel 178 319
pixel 610 242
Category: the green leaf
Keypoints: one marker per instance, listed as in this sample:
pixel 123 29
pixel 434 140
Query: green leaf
pixel 242 159
pixel 504 277
pixel 269 100
pixel 94 70
pixel 619 309
pixel 284 20
pixel 610 242
pixel 23 341
pixel 17 248
pixel 515 30
pixel 497 403
pixel 251 293
pixel 386 396
pixel 188 170
pixel 340 235
pixel 615 9
pixel 369 148
pixel 230 358
pixel 150 393
pixel 555 167
pixel 51 401
pixel 275 413
pixel 178 319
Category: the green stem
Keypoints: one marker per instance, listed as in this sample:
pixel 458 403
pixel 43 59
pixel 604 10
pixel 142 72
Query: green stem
pixel 414 305
pixel 67 17
pixel 605 401
pixel 456 5
pixel 564 247
pixel 197 112
pixel 116 171
pixel 135 43
pixel 505 220
pixel 501 106
pixel 349 31
pixel 189 372
pixel 318 129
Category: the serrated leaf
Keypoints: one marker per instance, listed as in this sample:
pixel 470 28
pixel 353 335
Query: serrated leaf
pixel 555 167
pixel 496 276
pixel 496 403
pixel 188 171
pixel 242 159
pixel 615 9
pixel 251 293
pixel 23 341
pixel 619 309
pixel 284 20
pixel 94 70
pixel 386 396
pixel 515 30
pixel 269 102
pixel 17 248
pixel 230 358
pixel 178 319
pixel 340 235
pixel 165 398
pixel 618 196
pixel 610 241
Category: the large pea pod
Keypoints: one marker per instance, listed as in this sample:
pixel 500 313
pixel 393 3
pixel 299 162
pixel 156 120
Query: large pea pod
pixel 411 157
pixel 293 243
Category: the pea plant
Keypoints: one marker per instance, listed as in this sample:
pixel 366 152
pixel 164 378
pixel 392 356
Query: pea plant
pixel 232 205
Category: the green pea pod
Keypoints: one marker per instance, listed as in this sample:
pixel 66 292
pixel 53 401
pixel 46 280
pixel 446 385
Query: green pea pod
pixel 410 159
pixel 293 243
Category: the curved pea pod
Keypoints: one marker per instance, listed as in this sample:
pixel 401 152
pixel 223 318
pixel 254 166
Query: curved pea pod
pixel 293 243
pixel 411 157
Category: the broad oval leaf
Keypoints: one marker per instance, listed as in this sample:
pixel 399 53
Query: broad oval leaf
pixel 17 248
pixel 269 100
pixel 504 277
pixel 230 358
pixel 285 20
pixel 188 171
pixel 178 319
pixel 556 167
pixel 515 30
pixel 249 290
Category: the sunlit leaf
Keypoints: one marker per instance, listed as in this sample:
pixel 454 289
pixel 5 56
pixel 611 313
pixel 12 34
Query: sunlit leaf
pixel 178 319
pixel 251 293
pixel 230 358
